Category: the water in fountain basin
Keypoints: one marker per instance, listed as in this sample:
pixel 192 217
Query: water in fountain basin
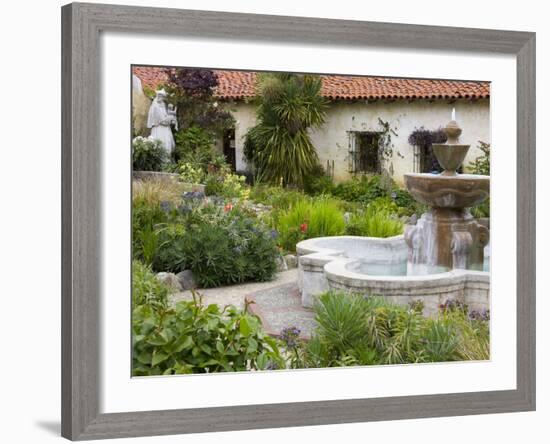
pixel 396 268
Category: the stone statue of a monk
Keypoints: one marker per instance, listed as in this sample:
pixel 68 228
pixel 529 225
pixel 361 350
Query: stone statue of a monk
pixel 160 120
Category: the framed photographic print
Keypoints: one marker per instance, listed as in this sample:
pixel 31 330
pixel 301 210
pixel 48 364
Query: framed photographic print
pixel 278 221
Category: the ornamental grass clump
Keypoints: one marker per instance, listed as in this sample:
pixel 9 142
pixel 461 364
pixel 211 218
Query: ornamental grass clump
pixel 307 219
pixel 357 330
pixel 373 223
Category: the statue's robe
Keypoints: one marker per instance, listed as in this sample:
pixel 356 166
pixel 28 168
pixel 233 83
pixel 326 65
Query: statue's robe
pixel 159 121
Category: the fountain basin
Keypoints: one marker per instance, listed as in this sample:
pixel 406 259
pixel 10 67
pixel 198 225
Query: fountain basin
pixel 374 266
pixel 443 191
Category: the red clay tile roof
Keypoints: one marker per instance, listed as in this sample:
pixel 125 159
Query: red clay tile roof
pixel 240 85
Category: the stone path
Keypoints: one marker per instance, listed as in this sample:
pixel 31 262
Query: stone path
pixel 277 303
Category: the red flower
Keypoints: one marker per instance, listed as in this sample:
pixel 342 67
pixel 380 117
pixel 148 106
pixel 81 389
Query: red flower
pixel 303 227
pixel 228 207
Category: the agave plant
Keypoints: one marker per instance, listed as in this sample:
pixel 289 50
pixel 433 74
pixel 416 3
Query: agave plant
pixel 279 145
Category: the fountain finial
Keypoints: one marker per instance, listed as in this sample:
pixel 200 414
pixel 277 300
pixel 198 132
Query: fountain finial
pixel 453 132
pixel 451 154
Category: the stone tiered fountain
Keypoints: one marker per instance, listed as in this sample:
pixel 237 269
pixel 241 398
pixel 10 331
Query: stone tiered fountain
pixel 447 236
pixel 442 256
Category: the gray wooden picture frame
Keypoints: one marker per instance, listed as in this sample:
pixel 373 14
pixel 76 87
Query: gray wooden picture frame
pixel 81 231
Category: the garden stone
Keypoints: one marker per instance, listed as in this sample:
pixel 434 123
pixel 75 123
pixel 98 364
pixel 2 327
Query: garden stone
pixel 281 264
pixel 291 261
pixel 170 280
pixel 186 279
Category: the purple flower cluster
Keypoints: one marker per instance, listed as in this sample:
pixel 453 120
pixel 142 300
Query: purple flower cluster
pixel 193 195
pixel 480 315
pixel 289 336
pixel 166 206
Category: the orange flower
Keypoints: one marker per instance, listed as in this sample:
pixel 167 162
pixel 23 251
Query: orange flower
pixel 228 207
pixel 303 227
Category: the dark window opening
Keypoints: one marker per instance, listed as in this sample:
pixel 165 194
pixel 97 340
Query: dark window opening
pixel 426 162
pixel 229 148
pixel 365 152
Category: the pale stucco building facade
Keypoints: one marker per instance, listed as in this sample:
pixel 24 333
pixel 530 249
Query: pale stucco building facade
pixel 345 121
pixel 346 143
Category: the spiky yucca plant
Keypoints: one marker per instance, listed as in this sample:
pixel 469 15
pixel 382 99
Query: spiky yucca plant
pixel 279 145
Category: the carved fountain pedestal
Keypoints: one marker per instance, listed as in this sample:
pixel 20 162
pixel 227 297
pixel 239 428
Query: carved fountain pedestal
pixel 447 237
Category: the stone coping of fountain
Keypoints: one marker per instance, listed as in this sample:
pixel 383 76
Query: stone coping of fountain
pixel 316 252
pixel 337 271
pixel 324 264
pixel 448 191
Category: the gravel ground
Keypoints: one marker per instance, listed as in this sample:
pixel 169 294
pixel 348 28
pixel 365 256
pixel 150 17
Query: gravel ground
pixel 277 303
pixel 235 294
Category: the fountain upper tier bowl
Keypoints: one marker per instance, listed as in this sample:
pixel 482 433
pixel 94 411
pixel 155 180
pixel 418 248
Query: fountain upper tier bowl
pixel 442 191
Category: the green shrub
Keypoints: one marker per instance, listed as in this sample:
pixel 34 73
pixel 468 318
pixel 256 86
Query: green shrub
pixel 146 217
pixel 318 182
pixel 193 338
pixel 406 204
pixel 374 223
pixel 482 163
pixel 230 250
pixel 194 145
pixel 482 210
pixel 148 155
pixel 361 189
pixel 227 185
pixel 146 288
pixel 220 245
pixel 278 197
pixel 169 252
pixel 190 173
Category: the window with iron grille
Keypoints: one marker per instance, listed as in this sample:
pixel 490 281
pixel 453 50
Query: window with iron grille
pixel 364 150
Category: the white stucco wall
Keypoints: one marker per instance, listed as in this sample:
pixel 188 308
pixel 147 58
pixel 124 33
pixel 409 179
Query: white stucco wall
pixel 331 140
pixel 245 118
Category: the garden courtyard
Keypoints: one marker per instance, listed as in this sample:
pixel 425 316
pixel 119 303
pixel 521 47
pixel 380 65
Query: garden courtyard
pixel 226 272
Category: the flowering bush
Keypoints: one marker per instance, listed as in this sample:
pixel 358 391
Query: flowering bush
pixel 148 154
pixel 227 185
pixel 221 244
pixel 230 248
pixel 190 173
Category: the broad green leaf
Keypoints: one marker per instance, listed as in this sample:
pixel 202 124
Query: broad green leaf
pixel 261 361
pixel 252 345
pixel 144 357
pixel 156 340
pixel 158 357
pixel 244 327
pixel 184 343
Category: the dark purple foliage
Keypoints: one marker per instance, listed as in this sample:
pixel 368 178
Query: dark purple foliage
pixel 194 82
pixel 477 315
pixel 425 138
